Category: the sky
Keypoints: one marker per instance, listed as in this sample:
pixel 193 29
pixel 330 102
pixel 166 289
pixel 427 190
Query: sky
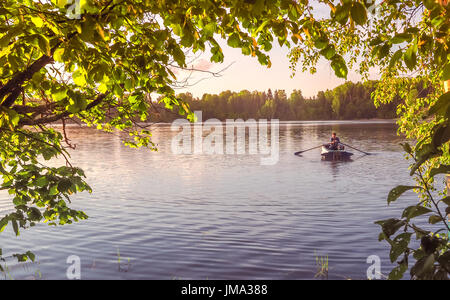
pixel 246 73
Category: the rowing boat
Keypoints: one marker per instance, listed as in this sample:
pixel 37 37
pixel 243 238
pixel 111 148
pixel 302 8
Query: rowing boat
pixel 341 154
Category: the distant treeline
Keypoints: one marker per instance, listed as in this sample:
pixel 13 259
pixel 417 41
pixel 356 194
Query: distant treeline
pixel 348 101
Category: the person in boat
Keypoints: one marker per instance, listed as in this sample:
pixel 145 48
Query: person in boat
pixel 334 144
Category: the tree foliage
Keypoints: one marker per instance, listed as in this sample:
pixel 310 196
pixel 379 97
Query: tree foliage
pixel 95 61
pixel 349 101
pixel 98 60
pixel 408 43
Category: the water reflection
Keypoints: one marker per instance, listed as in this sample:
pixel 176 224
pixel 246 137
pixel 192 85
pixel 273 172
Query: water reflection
pixel 224 216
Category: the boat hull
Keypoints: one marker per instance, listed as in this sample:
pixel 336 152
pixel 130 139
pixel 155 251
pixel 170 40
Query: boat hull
pixel 335 154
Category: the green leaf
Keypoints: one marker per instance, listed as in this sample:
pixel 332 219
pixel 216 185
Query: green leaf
pixel 342 13
pixel 3 224
pixel 398 272
pixel 426 152
pixel 44 45
pixel 430 4
pixel 441 106
pixel 399 245
pixel 234 41
pixel 59 95
pixel 446 200
pixel 376 41
pixel 64 185
pixel 13 117
pixel 321 42
pixel 15 227
pixel 87 30
pixel 209 29
pixel 60 3
pixel 410 58
pixel 441 135
pixel 339 66
pixel 444 260
pixel 359 13
pixel 443 169
pixel 383 51
pixel 41 181
pixel 10 35
pixel 446 72
pixel 401 38
pixel 423 266
pixel 395 58
pixel 434 219
pixel 390 226
pixel 329 52
pixel 406 147
pixel 415 211
pixel 57 55
pixel 31 255
pixel 37 21
pixel 396 192
pixel 79 78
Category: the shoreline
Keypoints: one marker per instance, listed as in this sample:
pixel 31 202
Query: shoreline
pixel 281 122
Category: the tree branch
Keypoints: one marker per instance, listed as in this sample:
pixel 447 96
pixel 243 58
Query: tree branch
pixel 14 86
pixel 64 114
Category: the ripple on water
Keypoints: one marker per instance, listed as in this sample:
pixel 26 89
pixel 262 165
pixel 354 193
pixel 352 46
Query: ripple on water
pixel 157 215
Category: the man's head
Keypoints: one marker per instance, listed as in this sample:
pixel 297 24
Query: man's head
pixel 333 134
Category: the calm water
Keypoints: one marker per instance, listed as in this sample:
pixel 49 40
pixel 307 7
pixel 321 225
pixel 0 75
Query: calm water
pixel 173 216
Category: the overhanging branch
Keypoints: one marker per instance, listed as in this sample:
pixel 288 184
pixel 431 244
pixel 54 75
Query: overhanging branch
pixel 62 115
pixel 14 86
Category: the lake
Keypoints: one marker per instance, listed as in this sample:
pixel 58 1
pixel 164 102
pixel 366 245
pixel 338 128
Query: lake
pixel 160 215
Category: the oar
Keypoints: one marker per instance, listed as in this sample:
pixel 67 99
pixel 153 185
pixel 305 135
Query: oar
pixel 366 153
pixel 299 152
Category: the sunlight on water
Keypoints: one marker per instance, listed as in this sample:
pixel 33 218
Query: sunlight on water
pixel 156 215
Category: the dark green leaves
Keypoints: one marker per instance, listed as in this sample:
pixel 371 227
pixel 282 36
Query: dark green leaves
pixel 446 200
pixel 434 219
pixel 440 170
pixel 321 42
pixel 391 226
pixel 415 211
pixel 24 257
pixel 234 40
pixel 3 223
pixel 444 260
pixel 44 44
pixel 398 272
pixel 399 245
pixel 446 72
pixel 396 192
pixel 15 226
pixel 423 267
pixel 342 13
pixel 329 52
pixel 64 185
pixel 209 29
pixel 41 181
pixel 359 13
pixel 339 66
pixel 410 57
pixel 442 106
pixel 424 153
pixel 407 148
pixel 401 38
pixel 395 58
